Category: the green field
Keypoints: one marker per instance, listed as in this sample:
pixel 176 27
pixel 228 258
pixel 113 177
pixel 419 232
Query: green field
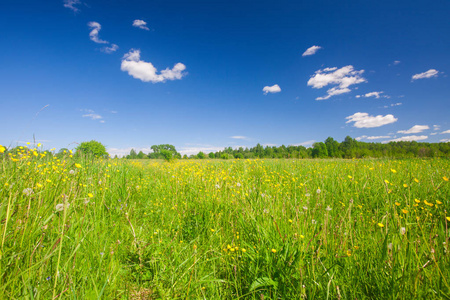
pixel 74 228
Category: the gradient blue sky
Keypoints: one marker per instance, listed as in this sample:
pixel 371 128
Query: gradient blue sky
pixel 381 72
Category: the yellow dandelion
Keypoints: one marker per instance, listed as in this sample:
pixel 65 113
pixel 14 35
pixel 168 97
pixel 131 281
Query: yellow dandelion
pixel 445 178
pixel 2 149
pixel 404 211
pixel 416 180
pixel 438 202
pixel 302 236
pixel 90 195
pixel 448 218
pixel 381 225
pixel 274 251
pixel 396 203
pixel 243 250
pixel 78 166
pixel 393 171
pixel 405 185
pixel 417 200
pixel 349 253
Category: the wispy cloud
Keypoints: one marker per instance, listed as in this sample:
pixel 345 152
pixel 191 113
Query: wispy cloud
pixel 393 104
pixel 445 141
pixel 145 71
pixel 140 24
pixel 305 144
pixel 414 129
pixel 373 94
pixel 428 74
pixel 111 49
pixel 239 137
pixel 271 89
pixel 311 50
pixel 343 78
pixel 89 113
pixel 71 4
pixel 365 137
pixel 409 138
pixel 364 120
pixel 436 127
pixel 444 132
pixel 93 35
pixel 396 62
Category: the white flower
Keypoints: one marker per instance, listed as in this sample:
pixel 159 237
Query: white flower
pixel 60 206
pixel 328 208
pixel 217 186
pixel 389 246
pixel 318 191
pixel 403 230
pixel 263 195
pixel 28 191
pixel 238 184
pixel 71 172
pixel 305 207
pixel 314 221
pixel 307 195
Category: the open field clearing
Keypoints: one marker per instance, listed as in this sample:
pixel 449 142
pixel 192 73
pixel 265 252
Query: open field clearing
pixel 242 229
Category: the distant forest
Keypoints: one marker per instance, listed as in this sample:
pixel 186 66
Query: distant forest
pixel 330 148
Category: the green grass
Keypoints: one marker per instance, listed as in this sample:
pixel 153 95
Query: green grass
pixel 260 229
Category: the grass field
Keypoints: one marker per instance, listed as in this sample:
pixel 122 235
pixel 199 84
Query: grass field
pixel 74 228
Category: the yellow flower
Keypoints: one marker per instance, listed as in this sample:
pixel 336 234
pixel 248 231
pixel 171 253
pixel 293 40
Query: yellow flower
pixel 428 203
pixel 381 225
pixel 404 211
pixel 90 195
pixel 405 185
pixel 48 180
pixel 39 145
pixel 438 202
pixel 417 200
pixel 78 166
pixel 416 180
pixel 448 218
pixel 386 181
pixel 349 253
pixel 274 251
pixel 243 250
pixel 290 221
pixel 2 149
pixel 396 203
pixel 393 171
pixel 445 178
pixel 212 230
pixel 302 236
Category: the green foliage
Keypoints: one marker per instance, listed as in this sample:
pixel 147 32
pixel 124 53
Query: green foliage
pixel 201 155
pixel 92 148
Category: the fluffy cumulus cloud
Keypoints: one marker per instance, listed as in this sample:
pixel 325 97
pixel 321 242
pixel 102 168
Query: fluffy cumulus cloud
pixel 140 24
pixel 414 129
pixel 93 35
pixel 271 89
pixel 311 50
pixel 363 120
pixel 343 78
pixel 365 137
pixel 372 94
pixel 410 138
pixel 444 132
pixel 428 74
pixel 145 71
pixel 71 4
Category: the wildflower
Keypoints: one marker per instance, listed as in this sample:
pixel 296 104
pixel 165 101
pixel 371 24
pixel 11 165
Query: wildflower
pixel 318 191
pixel 428 203
pixel 416 180
pixel 349 253
pixel 448 218
pixel 387 182
pixel 28 191
pixel 438 202
pixel 402 231
pixel 90 195
pixel 238 184
pixel 417 200
pixel 78 166
pixel 2 149
pixel 274 251
pixel 389 246
pixel 302 236
pixel 212 230
pixel 217 186
pixel 48 278
pixel 328 208
pixel 404 211
pixel 445 178
pixel 305 207
pixel 243 250
pixel 393 171
pixel 381 225
pixel 60 207
pixel 396 203
pixel 290 221
pixel 307 195
pixel 71 172
pixel 405 185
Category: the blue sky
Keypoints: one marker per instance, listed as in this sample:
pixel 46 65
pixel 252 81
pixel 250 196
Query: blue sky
pixel 204 75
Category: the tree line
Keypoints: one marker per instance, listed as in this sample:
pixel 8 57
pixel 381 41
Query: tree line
pixel 330 148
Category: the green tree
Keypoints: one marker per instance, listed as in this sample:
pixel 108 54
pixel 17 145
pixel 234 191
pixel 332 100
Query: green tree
pixel 92 148
pixel 211 155
pixel 201 155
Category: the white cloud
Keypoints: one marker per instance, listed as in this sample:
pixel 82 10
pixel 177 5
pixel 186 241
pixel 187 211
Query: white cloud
pixel 447 131
pixel 372 94
pixel 71 4
pixel 396 62
pixel 414 129
pixel 373 137
pixel 271 89
pixel 92 116
pixel 205 149
pixel 238 137
pixel 392 105
pixel 445 141
pixel 363 120
pixel 311 50
pixel 140 24
pixel 306 144
pixel 111 49
pixel 409 138
pixel 343 78
pixel 145 71
pixel 428 74
pixel 93 35
pixel 433 133
pixel 436 127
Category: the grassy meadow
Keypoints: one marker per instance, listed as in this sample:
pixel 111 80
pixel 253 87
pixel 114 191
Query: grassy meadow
pixel 78 228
